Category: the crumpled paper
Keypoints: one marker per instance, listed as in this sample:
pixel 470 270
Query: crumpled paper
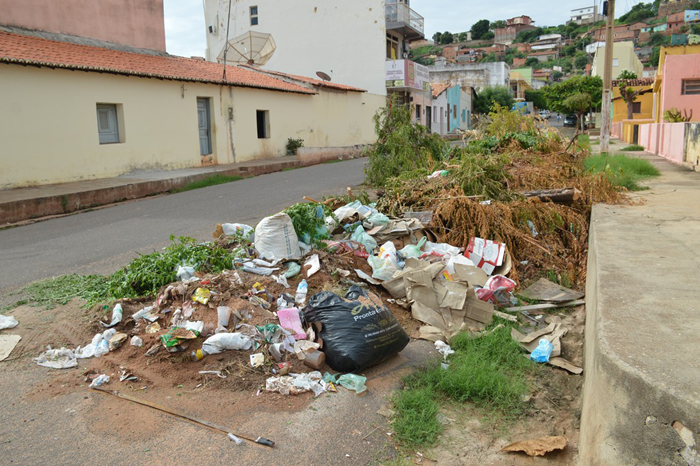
pixel 293 384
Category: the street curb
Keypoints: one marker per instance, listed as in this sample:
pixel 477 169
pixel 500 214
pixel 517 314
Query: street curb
pixel 26 209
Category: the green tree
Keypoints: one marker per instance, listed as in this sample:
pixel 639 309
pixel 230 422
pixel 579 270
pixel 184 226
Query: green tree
pixel 537 98
pixel 462 36
pixel 627 74
pixel 557 75
pixel 628 94
pixel 656 38
pixel 568 50
pixel 490 95
pixel 437 37
pixel 497 24
pixel 578 104
pixel 581 61
pixel 567 67
pixel 488 35
pixel 559 92
pixel 695 29
pixel 532 61
pixel 447 38
pixel 654 56
pixel 480 28
pixel 638 12
pixel 528 36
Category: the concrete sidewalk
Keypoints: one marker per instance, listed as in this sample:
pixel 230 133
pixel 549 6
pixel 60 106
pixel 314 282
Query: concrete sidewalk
pixel 26 203
pixel 642 360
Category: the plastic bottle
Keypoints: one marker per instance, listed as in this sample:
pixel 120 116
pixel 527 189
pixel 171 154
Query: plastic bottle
pixel 197 355
pixel 302 290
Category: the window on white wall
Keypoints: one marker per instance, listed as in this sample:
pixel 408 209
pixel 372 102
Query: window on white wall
pixel 263 120
pixel 615 62
pixel 253 15
pixel 107 123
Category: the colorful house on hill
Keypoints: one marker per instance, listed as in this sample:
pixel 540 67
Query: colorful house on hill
pixel 520 81
pixel 642 108
pixel 451 108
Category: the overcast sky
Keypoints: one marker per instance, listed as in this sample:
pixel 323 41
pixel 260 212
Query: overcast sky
pixel 185 35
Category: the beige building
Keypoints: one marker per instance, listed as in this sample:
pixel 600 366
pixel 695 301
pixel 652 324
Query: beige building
pixel 624 58
pixel 73 112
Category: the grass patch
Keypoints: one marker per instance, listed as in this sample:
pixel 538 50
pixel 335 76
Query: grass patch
pixel 633 147
pixel 489 371
pixel 622 171
pixel 584 140
pixel 205 182
pixel 60 291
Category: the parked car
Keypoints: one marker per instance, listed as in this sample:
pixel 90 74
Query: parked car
pixel 570 120
pixel 545 114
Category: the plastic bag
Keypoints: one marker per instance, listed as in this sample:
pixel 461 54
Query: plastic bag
pixel 275 238
pixel 358 331
pixel 184 272
pixel 360 236
pixel 57 358
pixel 385 265
pixel 441 248
pixel 8 322
pixel 543 351
pixel 100 380
pixel 294 384
pixel 353 382
pixel 226 341
pixel 413 251
pixel 497 290
pixel 231 229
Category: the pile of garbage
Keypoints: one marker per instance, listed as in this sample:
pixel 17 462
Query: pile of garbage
pixel 263 307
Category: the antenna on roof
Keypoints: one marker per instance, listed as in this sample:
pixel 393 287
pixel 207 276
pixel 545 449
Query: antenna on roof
pixel 323 75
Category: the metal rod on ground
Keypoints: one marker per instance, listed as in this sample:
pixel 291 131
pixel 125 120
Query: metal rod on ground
pixel 210 425
pixel 607 80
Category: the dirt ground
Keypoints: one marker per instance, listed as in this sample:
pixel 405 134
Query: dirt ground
pixel 174 380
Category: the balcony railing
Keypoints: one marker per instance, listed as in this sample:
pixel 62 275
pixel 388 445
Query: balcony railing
pixel 402 13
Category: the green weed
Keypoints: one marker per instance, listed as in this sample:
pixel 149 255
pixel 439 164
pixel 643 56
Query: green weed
pixel 632 148
pixel 205 182
pixel 60 291
pixel 416 423
pixel 621 170
pixel 584 140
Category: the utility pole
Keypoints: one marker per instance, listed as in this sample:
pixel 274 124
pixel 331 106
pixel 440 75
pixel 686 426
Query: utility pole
pixel 607 79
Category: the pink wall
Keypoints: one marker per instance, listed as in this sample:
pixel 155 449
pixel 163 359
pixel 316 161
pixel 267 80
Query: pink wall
pixel 677 68
pixel 616 129
pixel 138 23
pixel 664 139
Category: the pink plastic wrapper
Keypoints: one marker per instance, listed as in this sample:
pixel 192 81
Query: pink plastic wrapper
pixel 289 320
pixel 497 290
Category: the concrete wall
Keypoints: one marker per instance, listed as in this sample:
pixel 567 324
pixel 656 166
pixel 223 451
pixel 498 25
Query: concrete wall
pixel 344 39
pixel 48 124
pixel 439 124
pixel 138 23
pixel 669 140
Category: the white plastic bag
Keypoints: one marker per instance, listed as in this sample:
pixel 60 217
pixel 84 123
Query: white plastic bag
pixel 89 350
pixel 275 238
pixel 230 229
pixel 184 272
pixel 385 265
pixel 100 380
pixel 226 341
pixel 441 248
pixel 57 358
pixel 8 322
pixel 136 341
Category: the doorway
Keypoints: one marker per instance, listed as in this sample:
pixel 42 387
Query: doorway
pixel 429 117
pixel 204 120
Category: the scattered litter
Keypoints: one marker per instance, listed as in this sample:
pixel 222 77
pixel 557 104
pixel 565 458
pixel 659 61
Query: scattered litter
pixel 367 278
pixel 234 229
pixel 101 379
pixel 275 238
pixel 226 341
pixel 292 269
pixel 486 254
pixel 281 279
pixel 537 447
pixel 293 384
pixel 153 328
pixel 313 264
pixel 361 237
pixel 543 351
pixel 8 322
pixel 233 438
pixel 290 320
pixel 223 314
pixel 117 340
pixel 216 373
pixel 257 359
pixel 497 290
pixel 136 341
pixel 536 307
pixel 201 295
pixel 315 359
pixel 184 272
pixel 57 358
pixel 7 344
pixel 302 290
pixel 126 376
pixel 444 349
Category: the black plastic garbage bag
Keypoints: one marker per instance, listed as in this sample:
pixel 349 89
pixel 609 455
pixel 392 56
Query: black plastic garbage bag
pixel 358 331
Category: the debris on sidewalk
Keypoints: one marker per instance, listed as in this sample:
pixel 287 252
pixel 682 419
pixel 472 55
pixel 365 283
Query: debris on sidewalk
pixel 7 344
pixel 537 447
pixel 544 290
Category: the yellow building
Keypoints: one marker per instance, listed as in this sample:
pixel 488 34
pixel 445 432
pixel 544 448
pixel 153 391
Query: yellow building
pixel 642 108
pixel 519 84
pixel 624 58
pixel 73 112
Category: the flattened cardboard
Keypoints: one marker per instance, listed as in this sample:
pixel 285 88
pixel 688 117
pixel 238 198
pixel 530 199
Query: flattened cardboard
pixel 419 288
pixel 451 294
pixel 478 310
pixel 471 274
pixel 395 287
pixel 566 365
pixel 427 315
pixel 544 290
pixel 430 333
pixel 536 335
pixel 7 344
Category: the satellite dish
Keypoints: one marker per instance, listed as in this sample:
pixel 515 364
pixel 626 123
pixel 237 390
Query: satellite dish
pixel 252 48
pixel 323 76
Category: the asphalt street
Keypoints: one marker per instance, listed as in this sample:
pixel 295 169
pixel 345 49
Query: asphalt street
pixel 101 241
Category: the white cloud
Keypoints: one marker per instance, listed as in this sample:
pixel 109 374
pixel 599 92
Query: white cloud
pixel 184 27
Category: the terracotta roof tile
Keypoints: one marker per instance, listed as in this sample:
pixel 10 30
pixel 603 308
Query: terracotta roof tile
pixel 27 50
pixel 439 88
pixel 634 82
pixel 312 81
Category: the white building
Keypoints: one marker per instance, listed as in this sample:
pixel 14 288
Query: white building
pixel 466 75
pixel 585 15
pixel 345 40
